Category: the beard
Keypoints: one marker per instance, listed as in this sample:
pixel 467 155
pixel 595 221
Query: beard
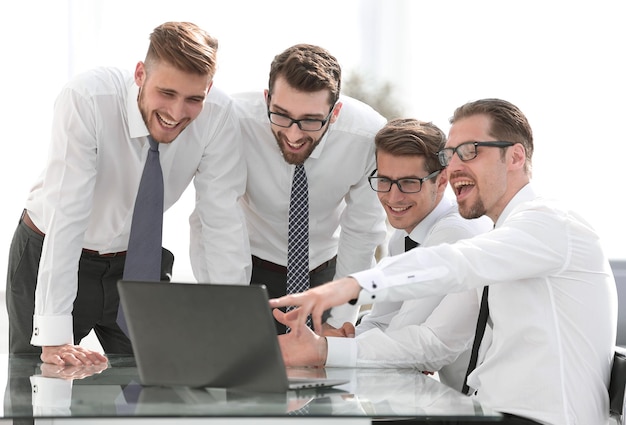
pixel 299 157
pixel 145 114
pixel 475 210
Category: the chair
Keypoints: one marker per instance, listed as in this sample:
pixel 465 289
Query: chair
pixel 617 385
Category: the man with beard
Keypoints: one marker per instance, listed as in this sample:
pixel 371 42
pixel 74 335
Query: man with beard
pixel 301 120
pixel 549 294
pixel 69 249
pixel 430 333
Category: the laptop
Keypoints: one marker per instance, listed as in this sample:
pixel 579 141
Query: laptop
pixel 207 335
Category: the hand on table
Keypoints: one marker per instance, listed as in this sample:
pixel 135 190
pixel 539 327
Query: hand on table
pixel 300 347
pixel 71 372
pixel 69 354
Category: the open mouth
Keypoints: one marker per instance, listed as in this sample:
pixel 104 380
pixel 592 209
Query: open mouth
pixel 295 145
pixel 462 187
pixel 166 123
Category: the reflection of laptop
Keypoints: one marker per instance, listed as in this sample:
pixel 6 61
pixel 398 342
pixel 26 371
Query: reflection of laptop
pixel 206 335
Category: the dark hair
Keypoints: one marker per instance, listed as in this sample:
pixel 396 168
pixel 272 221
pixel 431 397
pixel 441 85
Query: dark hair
pixel 307 68
pixel 185 46
pixel 508 123
pixel 408 137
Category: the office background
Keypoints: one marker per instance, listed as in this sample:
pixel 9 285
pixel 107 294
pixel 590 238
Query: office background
pixel 561 62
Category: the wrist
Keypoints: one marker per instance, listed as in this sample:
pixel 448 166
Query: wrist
pixel 322 351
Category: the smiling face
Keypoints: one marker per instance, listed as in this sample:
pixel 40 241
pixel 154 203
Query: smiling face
pixel 297 145
pixel 169 99
pixel 484 185
pixel 407 210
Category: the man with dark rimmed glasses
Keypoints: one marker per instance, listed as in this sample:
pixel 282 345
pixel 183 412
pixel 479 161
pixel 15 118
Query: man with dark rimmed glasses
pixel 552 305
pixel 430 334
pixel 301 123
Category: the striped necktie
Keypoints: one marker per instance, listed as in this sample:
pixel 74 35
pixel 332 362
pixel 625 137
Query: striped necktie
pixel 298 236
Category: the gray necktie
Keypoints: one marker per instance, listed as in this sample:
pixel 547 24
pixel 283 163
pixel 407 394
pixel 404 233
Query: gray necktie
pixel 298 237
pixel 143 258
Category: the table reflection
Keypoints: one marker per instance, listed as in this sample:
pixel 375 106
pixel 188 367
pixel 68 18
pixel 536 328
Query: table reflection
pixel 113 390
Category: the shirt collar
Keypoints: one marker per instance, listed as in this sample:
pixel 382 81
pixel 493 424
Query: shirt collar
pixel 525 194
pixel 421 231
pixel 136 125
pixel 317 152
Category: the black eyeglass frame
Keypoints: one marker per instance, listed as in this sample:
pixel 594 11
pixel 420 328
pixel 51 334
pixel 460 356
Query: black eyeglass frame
pixel 372 180
pixel 299 122
pixel 441 155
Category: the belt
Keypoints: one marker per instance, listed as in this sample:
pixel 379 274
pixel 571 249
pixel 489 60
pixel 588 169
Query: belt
pixel 277 268
pixel 88 252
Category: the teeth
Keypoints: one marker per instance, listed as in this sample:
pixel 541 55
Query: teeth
pixel 396 209
pixel 166 122
pixel 463 183
pixel 295 145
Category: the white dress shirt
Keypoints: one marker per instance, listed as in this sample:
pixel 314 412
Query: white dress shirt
pixel 345 216
pixel 86 195
pixel 432 333
pixel 552 302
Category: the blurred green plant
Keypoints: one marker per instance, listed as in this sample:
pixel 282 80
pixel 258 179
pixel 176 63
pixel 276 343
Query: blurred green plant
pixel 379 95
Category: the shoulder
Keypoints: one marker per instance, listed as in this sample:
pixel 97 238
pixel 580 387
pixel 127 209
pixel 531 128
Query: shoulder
pixel 218 99
pixel 249 104
pixel 358 118
pixel 100 81
pixel 451 227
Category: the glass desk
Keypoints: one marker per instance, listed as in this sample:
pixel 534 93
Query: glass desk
pixel 47 394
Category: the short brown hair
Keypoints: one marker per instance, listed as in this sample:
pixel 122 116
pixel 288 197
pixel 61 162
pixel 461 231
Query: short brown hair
pixel 412 137
pixel 508 123
pixel 185 46
pixel 307 68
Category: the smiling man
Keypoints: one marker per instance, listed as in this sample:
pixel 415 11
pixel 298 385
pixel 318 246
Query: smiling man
pixel 69 249
pixel 551 296
pixel 300 126
pixel 431 333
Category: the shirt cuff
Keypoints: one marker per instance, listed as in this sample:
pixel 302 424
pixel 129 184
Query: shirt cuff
pixel 51 392
pixel 52 330
pixel 341 352
pixel 371 281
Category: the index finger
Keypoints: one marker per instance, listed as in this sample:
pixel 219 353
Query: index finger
pixel 284 301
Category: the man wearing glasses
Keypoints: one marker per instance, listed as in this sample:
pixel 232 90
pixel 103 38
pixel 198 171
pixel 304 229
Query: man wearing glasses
pixel 302 126
pixel 550 292
pixel 432 333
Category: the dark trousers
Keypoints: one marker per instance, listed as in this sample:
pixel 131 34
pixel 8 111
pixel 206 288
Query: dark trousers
pixel 276 283
pixel 95 305
pixel 508 419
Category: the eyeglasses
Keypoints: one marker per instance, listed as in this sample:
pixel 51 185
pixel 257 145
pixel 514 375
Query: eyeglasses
pixel 305 124
pixel 467 151
pixel 405 185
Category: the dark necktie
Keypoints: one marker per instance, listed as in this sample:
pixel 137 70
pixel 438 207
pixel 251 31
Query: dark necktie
pixel 481 324
pixel 143 258
pixel 409 244
pixel 298 236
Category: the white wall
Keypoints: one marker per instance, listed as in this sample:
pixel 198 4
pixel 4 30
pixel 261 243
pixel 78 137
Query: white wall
pixel 560 61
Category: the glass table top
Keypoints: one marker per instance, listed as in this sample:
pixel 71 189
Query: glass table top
pixel 36 390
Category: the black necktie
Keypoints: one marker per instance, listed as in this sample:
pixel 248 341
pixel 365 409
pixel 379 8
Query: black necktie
pixel 409 244
pixel 483 315
pixel 143 258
